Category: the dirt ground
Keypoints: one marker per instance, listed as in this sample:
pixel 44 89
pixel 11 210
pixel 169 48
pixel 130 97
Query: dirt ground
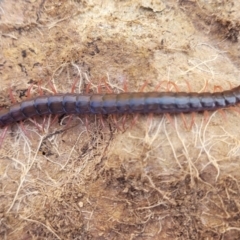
pixel 122 177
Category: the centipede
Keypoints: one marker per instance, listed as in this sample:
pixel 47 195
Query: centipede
pixel 119 103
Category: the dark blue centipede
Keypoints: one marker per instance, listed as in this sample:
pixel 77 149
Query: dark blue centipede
pixel 127 102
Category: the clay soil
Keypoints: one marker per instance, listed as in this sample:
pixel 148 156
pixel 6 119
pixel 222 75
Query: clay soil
pixel 120 177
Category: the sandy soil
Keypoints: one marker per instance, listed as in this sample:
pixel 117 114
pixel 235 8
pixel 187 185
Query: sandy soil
pixel 115 178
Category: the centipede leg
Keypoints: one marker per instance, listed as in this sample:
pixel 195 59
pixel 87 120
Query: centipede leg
pixel 88 87
pixel 52 86
pixel 205 86
pixel 124 118
pixel 125 85
pixel 54 120
pixel 188 86
pixel 193 115
pixel 134 121
pixel 185 122
pixel 86 124
pixel 34 121
pixel 2 136
pixel 144 86
pixel 107 86
pixel 205 116
pixel 159 86
pixel 149 119
pixel 40 89
pixel 29 91
pixel 224 115
pixel 12 98
pixel 43 123
pixel 168 116
pixel 102 121
pixel 24 129
pixel 115 122
pixel 74 86
pixel 173 84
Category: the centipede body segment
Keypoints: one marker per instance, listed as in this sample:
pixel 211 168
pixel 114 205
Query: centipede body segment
pixel 133 102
